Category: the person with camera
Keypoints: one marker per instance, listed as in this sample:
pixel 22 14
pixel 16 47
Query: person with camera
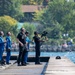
pixel 8 47
pixel 37 41
pixel 21 38
pixel 2 42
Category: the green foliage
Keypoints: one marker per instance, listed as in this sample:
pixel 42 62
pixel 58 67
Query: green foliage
pixel 25 2
pixel 38 15
pixel 32 2
pixel 30 28
pixel 58 18
pixel 8 24
pixel 11 8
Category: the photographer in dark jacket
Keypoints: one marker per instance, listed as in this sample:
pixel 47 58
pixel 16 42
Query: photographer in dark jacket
pixel 22 43
pixel 37 41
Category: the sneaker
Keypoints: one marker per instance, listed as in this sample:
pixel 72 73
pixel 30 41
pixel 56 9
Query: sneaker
pixel 23 64
pixel 38 63
pixel 27 63
pixel 8 63
pixel 18 65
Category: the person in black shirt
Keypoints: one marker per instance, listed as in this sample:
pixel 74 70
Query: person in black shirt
pixel 37 47
pixel 22 42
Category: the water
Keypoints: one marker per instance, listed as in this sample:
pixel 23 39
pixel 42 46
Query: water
pixel 70 55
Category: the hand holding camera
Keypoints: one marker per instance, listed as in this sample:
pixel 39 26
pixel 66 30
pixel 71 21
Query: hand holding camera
pixel 44 36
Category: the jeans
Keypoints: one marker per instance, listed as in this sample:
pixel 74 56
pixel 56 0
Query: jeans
pixel 21 55
pixel 37 56
pixel 26 57
pixel 8 56
pixel 1 53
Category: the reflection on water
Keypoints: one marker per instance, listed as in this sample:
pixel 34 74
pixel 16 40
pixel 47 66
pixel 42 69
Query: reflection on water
pixel 70 55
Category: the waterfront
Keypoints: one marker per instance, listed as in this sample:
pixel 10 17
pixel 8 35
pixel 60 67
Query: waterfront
pixel 70 55
pixel 50 67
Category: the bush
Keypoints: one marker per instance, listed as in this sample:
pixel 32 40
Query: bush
pixel 8 24
pixel 30 28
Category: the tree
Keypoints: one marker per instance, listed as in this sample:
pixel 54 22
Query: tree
pixel 45 3
pixel 8 24
pixel 59 16
pixel 30 28
pixel 11 8
pixel 32 2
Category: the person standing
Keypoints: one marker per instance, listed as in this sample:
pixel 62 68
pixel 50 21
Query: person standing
pixel 8 47
pixel 1 46
pixel 28 46
pixel 37 41
pixel 22 42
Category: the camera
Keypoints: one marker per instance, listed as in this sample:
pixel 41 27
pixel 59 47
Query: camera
pixel 44 33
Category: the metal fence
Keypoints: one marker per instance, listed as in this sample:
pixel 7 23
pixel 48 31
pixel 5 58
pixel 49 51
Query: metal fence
pixel 48 48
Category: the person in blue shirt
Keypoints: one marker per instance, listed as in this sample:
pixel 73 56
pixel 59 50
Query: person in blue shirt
pixel 8 47
pixel 1 45
pixel 28 46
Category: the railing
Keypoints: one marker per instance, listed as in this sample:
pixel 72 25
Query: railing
pixel 49 48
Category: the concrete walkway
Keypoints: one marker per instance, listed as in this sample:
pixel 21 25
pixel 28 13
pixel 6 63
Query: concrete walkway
pixel 30 69
pixel 61 66
pixel 6 66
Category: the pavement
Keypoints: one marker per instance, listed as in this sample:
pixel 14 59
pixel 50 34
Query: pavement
pixel 61 66
pixel 3 67
pixel 54 66
pixel 30 69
